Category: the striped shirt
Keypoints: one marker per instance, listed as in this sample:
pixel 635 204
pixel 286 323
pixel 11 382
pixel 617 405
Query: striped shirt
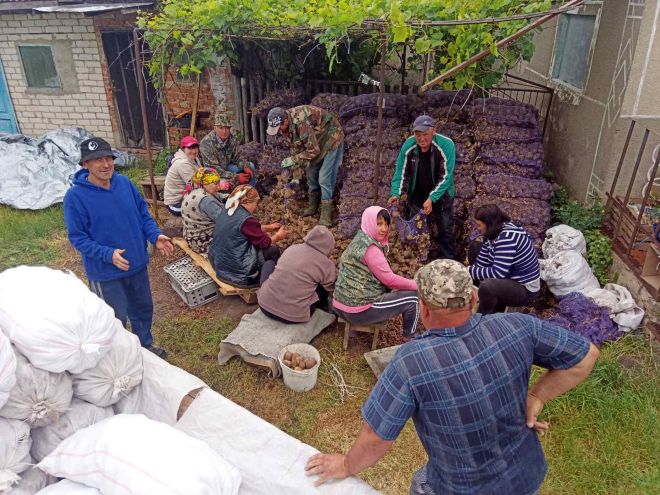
pixel 465 389
pixel 510 255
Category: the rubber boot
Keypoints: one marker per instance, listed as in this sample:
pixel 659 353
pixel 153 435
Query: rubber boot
pixel 314 202
pixel 326 213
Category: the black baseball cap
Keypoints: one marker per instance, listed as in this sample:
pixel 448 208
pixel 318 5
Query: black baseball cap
pixel 423 123
pixel 91 149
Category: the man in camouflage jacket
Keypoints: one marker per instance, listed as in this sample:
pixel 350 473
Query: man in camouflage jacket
pixel 219 149
pixel 317 145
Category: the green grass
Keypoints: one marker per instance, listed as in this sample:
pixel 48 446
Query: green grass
pixel 603 438
pixel 27 236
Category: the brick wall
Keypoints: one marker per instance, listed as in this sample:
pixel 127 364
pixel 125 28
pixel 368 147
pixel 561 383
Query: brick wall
pixel 37 112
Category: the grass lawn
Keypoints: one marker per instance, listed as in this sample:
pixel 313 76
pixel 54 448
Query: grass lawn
pixel 603 437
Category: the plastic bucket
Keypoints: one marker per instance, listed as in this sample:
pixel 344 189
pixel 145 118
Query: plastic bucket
pixel 300 381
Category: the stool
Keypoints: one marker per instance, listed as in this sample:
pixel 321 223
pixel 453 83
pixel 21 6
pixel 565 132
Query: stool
pixel 348 326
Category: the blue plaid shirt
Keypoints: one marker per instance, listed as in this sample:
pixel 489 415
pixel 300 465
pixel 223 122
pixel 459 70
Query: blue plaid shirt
pixel 466 391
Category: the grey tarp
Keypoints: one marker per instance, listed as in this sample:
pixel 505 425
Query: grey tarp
pixel 35 173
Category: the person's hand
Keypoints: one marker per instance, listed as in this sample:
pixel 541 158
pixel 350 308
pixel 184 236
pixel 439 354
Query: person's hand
pixel 248 171
pixel 327 467
pixel 534 408
pixel 428 206
pixel 280 234
pixel 119 261
pixel 287 162
pixel 394 201
pixel 244 178
pixel 271 226
pixel 164 245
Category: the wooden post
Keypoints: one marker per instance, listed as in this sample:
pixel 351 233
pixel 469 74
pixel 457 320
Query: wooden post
pixel 381 101
pixel 193 120
pixel 145 121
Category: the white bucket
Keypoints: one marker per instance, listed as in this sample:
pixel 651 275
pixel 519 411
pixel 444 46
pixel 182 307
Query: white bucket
pixel 300 381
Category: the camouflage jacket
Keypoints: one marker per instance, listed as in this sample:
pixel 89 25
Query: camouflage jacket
pixel 314 132
pixel 219 155
pixel 356 285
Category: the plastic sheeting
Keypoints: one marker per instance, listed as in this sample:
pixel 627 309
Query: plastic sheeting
pixel 36 173
pixel 269 460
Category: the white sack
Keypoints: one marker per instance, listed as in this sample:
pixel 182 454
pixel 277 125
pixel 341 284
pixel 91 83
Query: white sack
pixel 39 397
pixel 7 368
pixel 566 272
pixel 14 452
pixel 131 450
pixel 623 309
pixel 67 487
pixel 81 415
pixel 32 481
pixel 563 238
pixel 159 395
pixel 54 319
pixel 115 375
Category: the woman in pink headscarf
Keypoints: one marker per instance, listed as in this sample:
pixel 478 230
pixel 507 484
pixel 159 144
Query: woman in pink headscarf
pixel 367 291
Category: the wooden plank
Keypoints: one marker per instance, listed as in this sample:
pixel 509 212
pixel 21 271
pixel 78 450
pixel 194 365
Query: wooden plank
pixel 248 295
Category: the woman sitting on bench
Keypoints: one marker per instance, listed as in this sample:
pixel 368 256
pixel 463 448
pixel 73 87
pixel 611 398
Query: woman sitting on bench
pixel 201 206
pixel 505 265
pixel 241 246
pixel 367 291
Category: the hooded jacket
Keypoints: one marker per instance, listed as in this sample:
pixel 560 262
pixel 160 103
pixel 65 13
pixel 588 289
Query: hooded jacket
pixel 178 175
pixel 100 220
pixel 291 289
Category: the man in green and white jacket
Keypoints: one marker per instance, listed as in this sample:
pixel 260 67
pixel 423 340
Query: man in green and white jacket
pixel 425 172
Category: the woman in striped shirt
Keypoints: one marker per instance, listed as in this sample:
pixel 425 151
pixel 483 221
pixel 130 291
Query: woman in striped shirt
pixel 505 266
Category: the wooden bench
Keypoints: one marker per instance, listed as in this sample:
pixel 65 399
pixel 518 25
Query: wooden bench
pixel 348 326
pixel 248 295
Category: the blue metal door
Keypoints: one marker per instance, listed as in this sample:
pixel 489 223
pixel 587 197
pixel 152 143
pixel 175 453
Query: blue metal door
pixel 7 116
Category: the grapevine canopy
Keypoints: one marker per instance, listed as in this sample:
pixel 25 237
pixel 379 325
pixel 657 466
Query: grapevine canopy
pixel 191 34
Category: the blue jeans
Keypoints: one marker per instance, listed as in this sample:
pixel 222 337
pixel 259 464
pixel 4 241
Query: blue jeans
pixel 237 170
pixel 130 297
pixel 323 175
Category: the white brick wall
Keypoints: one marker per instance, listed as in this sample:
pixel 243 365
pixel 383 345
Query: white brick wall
pixel 39 113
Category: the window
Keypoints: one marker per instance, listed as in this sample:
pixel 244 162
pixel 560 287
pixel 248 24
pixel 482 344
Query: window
pixel 573 48
pixel 39 66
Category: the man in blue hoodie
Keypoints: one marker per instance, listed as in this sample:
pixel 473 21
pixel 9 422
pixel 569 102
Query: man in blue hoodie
pixel 108 222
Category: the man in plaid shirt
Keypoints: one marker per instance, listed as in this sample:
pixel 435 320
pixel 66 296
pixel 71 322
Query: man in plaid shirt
pixel 464 383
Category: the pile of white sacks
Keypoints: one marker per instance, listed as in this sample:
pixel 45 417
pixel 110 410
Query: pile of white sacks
pixel 66 367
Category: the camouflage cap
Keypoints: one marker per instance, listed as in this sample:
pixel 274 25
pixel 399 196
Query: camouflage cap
pixel 222 120
pixel 444 284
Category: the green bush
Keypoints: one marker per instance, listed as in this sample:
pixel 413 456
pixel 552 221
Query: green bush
pixel 599 254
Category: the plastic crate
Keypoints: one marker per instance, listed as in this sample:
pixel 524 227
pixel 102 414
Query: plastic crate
pixel 192 283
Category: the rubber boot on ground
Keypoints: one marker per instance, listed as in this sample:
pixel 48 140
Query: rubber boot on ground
pixel 314 202
pixel 326 213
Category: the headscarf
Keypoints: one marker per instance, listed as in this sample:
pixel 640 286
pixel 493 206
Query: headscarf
pixel 202 177
pixel 369 224
pixel 242 195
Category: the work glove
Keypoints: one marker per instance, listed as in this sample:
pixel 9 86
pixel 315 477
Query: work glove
pixel 287 162
pixel 248 171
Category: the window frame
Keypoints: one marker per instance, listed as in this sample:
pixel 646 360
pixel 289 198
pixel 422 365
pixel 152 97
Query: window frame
pixel 588 9
pixel 51 48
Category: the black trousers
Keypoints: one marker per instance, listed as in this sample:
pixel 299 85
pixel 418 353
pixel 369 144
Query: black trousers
pixel 270 256
pixel 441 228
pixel 495 294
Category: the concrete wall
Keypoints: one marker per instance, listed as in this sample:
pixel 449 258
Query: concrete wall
pixel 584 129
pixel 82 101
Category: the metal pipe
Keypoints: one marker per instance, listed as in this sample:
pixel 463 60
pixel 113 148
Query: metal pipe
pixel 645 200
pixel 624 206
pixel 145 121
pixel 620 165
pixel 381 102
pixel 500 44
